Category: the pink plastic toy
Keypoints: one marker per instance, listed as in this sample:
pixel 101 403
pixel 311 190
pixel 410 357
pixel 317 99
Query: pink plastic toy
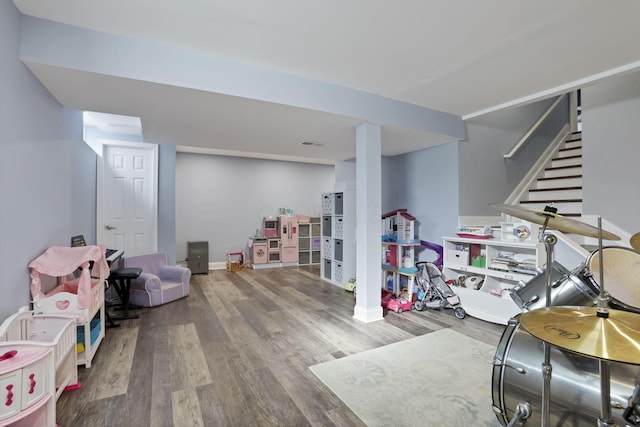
pixel 399 305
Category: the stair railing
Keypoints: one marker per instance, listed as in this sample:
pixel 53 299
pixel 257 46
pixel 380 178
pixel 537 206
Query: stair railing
pixel 537 168
pixel 533 128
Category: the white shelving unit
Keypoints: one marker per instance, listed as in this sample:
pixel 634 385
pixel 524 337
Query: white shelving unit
pixel 337 241
pixel 490 302
pixel 309 242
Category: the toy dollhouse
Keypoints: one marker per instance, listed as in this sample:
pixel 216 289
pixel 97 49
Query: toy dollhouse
pixel 399 225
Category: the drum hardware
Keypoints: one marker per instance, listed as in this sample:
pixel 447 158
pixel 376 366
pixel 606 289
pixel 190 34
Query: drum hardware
pixel 531 300
pixel 518 369
pixel 632 412
pixel 536 298
pixel 523 411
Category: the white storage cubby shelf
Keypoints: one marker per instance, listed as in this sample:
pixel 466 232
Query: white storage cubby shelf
pixel 337 240
pixel 309 242
pixel 485 258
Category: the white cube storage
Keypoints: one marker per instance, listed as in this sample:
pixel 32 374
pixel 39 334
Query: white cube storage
pixel 337 229
pixel 337 242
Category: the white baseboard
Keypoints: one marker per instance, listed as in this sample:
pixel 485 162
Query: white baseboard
pixel 274 265
pixel 221 265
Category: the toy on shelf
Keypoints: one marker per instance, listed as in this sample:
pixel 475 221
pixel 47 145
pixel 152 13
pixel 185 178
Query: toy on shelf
pixel 475 232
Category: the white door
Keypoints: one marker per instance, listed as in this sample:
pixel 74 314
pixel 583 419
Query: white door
pixel 127 196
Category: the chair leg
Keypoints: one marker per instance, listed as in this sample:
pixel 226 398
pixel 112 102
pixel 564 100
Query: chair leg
pixel 111 324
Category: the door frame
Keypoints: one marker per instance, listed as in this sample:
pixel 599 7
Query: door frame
pixel 100 146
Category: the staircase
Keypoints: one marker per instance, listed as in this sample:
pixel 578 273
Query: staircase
pixel 561 181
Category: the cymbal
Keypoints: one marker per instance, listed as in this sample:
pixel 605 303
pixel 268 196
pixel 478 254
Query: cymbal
pixel 635 241
pixel 556 221
pixel 580 330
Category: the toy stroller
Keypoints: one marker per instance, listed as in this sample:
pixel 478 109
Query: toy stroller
pixel 434 292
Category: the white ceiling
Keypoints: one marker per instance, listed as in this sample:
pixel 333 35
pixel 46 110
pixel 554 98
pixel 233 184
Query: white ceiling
pixel 465 57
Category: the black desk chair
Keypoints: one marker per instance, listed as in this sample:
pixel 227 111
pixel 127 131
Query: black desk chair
pixel 120 279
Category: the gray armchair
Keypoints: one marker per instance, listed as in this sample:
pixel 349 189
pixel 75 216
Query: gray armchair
pixel 159 283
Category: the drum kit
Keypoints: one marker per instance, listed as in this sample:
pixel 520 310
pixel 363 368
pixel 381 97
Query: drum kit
pixel 592 337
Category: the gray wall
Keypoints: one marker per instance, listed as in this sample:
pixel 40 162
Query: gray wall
pixel 611 152
pixel 485 176
pixel 426 184
pixel 223 200
pixel 167 201
pixel 42 187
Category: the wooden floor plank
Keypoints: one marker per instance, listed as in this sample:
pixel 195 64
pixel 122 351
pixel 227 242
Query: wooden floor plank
pixel 161 414
pixel 113 379
pixel 186 408
pixel 187 362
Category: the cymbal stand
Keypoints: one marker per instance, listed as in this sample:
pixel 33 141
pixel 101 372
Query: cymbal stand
pixel 549 241
pixel 603 312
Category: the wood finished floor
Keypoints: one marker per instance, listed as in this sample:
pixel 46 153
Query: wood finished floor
pixel 236 352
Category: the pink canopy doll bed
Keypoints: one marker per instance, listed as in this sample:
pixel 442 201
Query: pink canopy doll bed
pixel 77 293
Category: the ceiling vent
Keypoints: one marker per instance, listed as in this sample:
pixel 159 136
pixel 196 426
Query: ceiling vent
pixel 312 144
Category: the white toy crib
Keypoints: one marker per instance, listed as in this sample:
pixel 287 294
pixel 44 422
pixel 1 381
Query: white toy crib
pixel 79 297
pixel 56 332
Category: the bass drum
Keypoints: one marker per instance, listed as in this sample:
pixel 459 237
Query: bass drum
pixel 567 288
pixel 621 271
pixel 575 382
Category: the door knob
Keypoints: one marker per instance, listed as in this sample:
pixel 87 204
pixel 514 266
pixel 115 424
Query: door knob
pixel 109 227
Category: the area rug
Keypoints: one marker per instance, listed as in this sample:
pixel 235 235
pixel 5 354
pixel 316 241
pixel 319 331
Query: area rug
pixel 439 379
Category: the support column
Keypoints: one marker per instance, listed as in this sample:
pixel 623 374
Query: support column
pixel 368 222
